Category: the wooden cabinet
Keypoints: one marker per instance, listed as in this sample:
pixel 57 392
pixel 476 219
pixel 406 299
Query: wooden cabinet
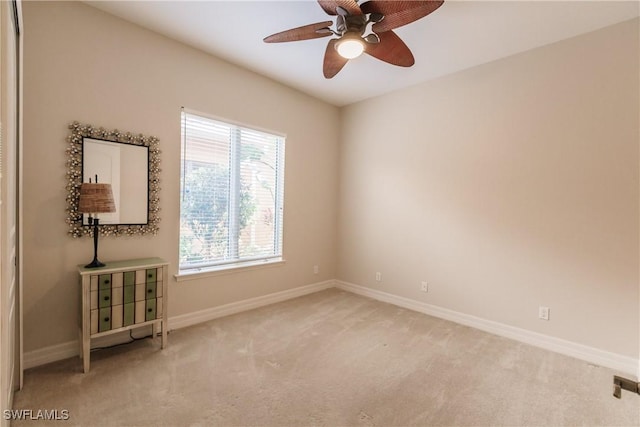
pixel 120 296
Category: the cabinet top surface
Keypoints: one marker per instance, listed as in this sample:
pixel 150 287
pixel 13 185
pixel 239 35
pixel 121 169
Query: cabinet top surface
pixel 123 265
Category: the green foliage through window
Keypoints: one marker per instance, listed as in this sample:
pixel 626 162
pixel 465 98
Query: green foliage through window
pixel 231 194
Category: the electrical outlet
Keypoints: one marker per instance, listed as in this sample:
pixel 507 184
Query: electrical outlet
pixel 543 313
pixel 316 269
pixel 424 287
pixel 378 276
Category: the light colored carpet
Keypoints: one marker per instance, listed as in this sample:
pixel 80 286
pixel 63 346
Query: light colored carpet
pixel 329 359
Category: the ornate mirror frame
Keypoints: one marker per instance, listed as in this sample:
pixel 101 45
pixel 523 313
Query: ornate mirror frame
pixel 74 180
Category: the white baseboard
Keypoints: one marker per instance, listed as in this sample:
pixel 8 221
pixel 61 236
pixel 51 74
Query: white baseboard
pixel 69 349
pixel 623 364
pixel 49 354
pixel 196 317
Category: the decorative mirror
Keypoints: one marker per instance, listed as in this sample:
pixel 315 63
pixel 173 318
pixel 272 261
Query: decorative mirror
pixel 130 163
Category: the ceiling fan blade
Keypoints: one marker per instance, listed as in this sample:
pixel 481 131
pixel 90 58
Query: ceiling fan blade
pixel 399 13
pixel 333 62
pixel 306 32
pixel 391 49
pixel 331 6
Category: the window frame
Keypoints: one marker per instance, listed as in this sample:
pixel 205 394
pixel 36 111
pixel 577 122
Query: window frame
pixel 226 266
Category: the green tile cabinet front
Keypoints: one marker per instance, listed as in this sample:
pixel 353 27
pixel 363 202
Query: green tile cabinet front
pixel 120 296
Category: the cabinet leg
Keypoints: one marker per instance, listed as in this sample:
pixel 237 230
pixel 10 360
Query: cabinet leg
pixel 86 353
pixel 85 362
pixel 81 350
pixel 164 333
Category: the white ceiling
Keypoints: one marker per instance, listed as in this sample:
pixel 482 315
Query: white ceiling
pixel 459 35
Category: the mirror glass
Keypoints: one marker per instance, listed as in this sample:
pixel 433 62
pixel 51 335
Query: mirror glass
pixel 126 168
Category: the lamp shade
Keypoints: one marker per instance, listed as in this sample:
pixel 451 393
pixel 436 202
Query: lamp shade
pixel 96 198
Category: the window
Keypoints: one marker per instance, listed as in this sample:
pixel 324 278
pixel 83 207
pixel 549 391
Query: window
pixel 231 195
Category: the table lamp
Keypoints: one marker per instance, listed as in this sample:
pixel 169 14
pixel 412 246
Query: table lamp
pixel 95 199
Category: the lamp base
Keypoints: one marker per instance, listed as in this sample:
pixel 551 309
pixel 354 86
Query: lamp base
pixel 94 264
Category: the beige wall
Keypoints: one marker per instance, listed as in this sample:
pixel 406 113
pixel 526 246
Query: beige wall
pixel 507 186
pixel 82 64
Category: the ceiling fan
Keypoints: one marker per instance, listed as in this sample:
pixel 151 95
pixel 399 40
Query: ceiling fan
pixel 354 34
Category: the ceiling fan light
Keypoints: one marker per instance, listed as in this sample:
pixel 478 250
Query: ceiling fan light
pixel 350 47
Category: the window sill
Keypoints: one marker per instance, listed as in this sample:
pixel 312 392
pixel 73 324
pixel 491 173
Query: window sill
pixel 226 269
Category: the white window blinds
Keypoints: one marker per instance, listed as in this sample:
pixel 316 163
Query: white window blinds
pixel 231 194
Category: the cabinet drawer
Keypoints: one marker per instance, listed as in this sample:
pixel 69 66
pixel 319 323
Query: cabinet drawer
pixel 116 316
pixel 129 293
pixel 150 291
pixel 151 275
pixel 94 283
pixel 141 276
pixel 104 281
pixel 150 312
pixel 116 280
pixel 104 319
pixel 129 278
pixel 128 316
pixel 94 321
pixel 140 291
pixel 140 311
pixel 117 296
pixel 94 299
pixel 104 298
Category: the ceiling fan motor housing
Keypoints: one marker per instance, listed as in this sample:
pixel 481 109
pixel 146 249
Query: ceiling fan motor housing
pixel 351 24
